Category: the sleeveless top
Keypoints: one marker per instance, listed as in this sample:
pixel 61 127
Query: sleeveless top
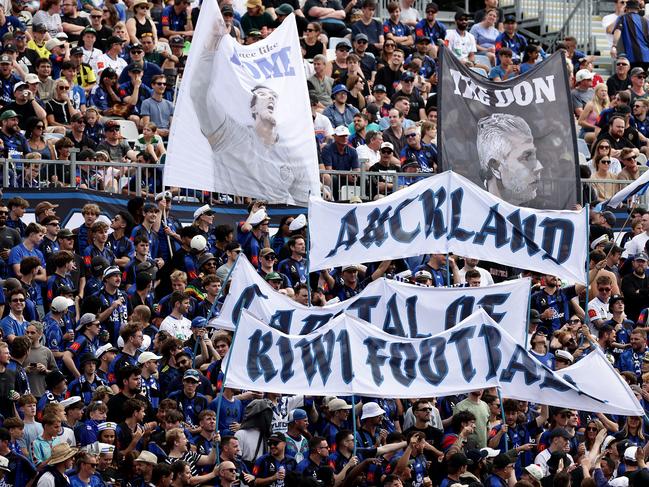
pixel 145 28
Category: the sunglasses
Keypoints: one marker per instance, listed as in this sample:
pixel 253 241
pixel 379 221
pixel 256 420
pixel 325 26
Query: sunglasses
pixel 137 51
pixel 409 136
pixel 425 410
pixel 591 429
pixel 310 30
pixel 575 321
pixel 229 469
pixel 607 161
pixel 64 88
pixel 160 83
pixel 604 146
pixel 386 151
pixel 96 16
pixel 4 212
pixel 112 129
pixel 604 289
pixel 270 257
pixel 361 41
pixel 18 300
pixel 54 224
pixel 622 64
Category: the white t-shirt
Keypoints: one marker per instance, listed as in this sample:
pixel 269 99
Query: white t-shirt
pixel 485 278
pixel 104 61
pixel 92 57
pixel 322 127
pixel 598 310
pixel 47 480
pixel 461 45
pixel 248 441
pixel 409 14
pixel 542 461
pixel 615 168
pixel 181 328
pixel 366 154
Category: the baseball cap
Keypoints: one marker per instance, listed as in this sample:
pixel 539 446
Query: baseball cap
pixel 266 251
pixel 338 89
pixel 559 433
pixel 31 79
pixel 163 195
pixel 88 30
pixel 9 113
pixel 407 76
pixel 350 267
pixel 225 9
pixel 361 37
pixel 641 256
pixel 458 460
pixel 630 453
pixel 583 74
pixel 509 19
pixel 387 145
pixel 609 216
pixel 535 471
pixel 637 71
pixel 564 355
pixel 76 51
pixel 614 299
pixel 344 44
pixel 198 243
pixel 277 437
pixel 338 405
pixel 273 276
pixel 341 131
pixel 535 317
pixel 52 43
pixel 86 319
pixel 146 356
pixel 199 322
pixel 297 415
pixel 61 304
pixel 284 9
pixel 380 87
pixel 136 47
pixel 21 85
pixel 422 275
pixel 192 374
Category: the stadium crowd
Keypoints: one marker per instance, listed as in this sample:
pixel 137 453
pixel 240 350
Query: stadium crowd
pixel 111 373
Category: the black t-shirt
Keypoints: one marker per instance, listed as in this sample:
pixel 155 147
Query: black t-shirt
pixel 80 21
pixel 615 84
pixel 60 110
pixel 416 102
pixel 85 142
pixel 25 112
pixel 103 34
pixel 28 58
pixel 388 78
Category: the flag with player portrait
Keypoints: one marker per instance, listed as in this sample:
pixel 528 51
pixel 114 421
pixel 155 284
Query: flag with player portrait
pixel 514 138
pixel 241 124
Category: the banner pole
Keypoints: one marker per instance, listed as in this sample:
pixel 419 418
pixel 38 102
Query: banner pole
pixel 227 367
pixel 354 421
pixel 308 263
pixel 502 415
pixel 586 317
pixel 448 272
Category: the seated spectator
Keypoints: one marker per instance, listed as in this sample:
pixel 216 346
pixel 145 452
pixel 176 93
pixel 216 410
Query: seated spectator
pixel 45 81
pixel 583 91
pixel 506 69
pixel 150 142
pixel 176 20
pixel 25 105
pixel 486 33
pixel 530 57
pixel 88 45
pixel 590 113
pixel 94 129
pixel 116 147
pixel 133 93
pixel 77 133
pixel 396 30
pixel 77 94
pixel 141 22
pixel 311 43
pixel 50 16
pixel 369 26
pixel 103 96
pixel 255 17
pixel 330 14
pixel 34 130
pixel 156 109
pixel 112 56
pixel 59 108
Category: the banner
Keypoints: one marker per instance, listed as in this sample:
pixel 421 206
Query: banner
pixel 590 382
pixel 397 308
pixel 515 138
pixel 348 356
pixel 242 123
pixel 447 213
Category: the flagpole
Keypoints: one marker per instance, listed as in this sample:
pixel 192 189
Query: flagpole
pixel 587 212
pixel 502 415
pixel 354 420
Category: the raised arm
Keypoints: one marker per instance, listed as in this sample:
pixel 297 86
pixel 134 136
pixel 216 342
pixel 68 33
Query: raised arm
pixel 210 118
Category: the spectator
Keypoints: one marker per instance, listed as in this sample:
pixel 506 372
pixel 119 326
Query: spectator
pixel 630 31
pixel 158 110
pixel 141 22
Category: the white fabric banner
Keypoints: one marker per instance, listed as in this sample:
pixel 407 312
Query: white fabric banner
pixel 605 381
pixel 348 356
pixel 398 308
pixel 242 120
pixel 448 213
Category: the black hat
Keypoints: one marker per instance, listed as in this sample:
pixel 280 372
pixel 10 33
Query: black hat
pixel 88 357
pixel 204 259
pixel 39 28
pixel 461 15
pixel 277 437
pixel 614 299
pixel 509 19
pixel 52 379
pixel 98 264
pixel 502 460
pixel 535 317
pixel 559 433
pixel 458 460
pixel 146 267
pixel 114 40
pixel 134 68
pixel 136 47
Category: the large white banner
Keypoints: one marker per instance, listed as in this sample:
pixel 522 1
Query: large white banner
pixel 448 213
pixel 348 356
pixel 397 308
pixel 242 123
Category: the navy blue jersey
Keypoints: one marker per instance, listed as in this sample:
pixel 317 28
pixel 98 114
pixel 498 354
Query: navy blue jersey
pixel 119 316
pixel 191 407
pixel 559 302
pixel 634 30
pixel 267 466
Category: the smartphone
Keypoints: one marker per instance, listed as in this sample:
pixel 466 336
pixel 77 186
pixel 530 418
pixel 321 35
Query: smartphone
pixel 580 436
pixel 32 364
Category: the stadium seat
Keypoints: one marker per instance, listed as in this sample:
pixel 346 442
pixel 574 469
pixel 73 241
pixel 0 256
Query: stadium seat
pixel 480 71
pixel 482 59
pixel 333 42
pixel 129 130
pixel 642 159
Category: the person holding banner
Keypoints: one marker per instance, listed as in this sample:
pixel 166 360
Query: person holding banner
pixel 264 160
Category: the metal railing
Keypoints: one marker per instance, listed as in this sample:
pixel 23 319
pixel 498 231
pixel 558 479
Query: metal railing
pixel 138 179
pixel 556 19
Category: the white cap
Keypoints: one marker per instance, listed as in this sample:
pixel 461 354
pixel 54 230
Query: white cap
pixel 565 355
pixel 341 131
pixel 146 356
pixel 147 457
pixel 583 74
pixel 203 209
pixel 164 194
pixel 535 471
pixel 491 453
pixel 607 441
pixel 198 242
pixel 61 304
pixel 257 217
pixel 4 464
pixel 297 223
pixel 371 410
pixel 106 425
pixel 599 240
pixel 387 145
pixel 619 482
pixel 630 453
pixel 70 401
